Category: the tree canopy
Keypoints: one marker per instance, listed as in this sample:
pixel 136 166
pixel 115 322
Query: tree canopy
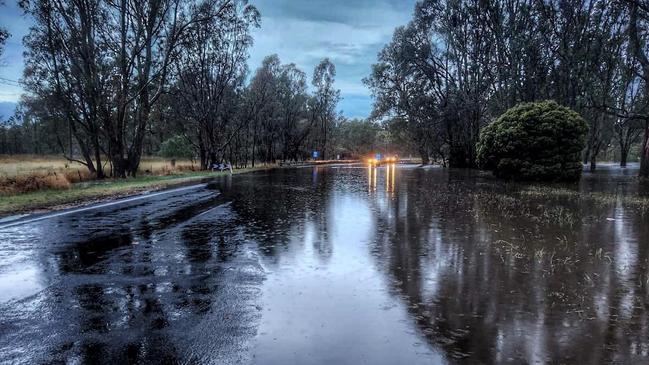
pixel 457 65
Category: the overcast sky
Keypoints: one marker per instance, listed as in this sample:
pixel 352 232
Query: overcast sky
pixel 349 32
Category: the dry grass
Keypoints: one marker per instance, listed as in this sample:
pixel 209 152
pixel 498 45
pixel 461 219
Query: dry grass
pixel 27 173
pixel 159 167
pixel 11 166
pixel 25 165
pixel 26 183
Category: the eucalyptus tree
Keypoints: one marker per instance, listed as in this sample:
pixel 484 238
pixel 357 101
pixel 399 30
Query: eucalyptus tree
pixel 637 33
pixel 470 71
pixel 521 60
pixel 66 63
pixel 436 75
pixel 276 107
pixel 323 104
pixel 627 108
pixel 146 39
pixel 261 108
pixel 108 63
pixel 293 96
pixel 459 64
pixel 209 74
pixel 409 84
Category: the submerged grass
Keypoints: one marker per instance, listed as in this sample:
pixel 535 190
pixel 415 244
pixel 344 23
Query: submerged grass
pixel 548 226
pixel 564 257
pixel 543 209
pixel 601 199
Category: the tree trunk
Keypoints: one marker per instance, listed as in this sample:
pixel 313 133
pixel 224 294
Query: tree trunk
pixel 637 49
pixel 457 157
pixel 593 162
pixel 624 154
pixel 99 167
pixel 204 161
pixel 85 152
pixel 644 156
pixel 425 160
pixel 254 146
pixel 323 153
pixel 587 153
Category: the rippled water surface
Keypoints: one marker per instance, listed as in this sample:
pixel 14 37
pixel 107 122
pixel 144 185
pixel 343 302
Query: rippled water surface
pixel 342 264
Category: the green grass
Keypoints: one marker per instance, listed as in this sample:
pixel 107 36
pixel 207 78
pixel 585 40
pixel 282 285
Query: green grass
pixel 94 191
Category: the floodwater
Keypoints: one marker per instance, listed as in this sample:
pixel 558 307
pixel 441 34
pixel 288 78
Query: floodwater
pixel 336 265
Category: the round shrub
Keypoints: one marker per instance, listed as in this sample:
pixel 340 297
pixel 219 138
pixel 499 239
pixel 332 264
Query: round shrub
pixel 534 141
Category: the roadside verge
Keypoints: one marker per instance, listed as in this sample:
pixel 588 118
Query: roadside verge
pixel 81 194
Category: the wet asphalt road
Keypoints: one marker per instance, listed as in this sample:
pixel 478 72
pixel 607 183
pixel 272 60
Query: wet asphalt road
pixel 341 265
pixel 157 280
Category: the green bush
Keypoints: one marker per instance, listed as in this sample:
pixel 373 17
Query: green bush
pixel 534 141
pixel 176 147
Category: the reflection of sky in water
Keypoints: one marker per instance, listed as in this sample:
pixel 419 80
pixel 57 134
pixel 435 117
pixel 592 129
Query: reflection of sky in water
pixel 322 308
pixel 624 258
pixel 20 273
pixel 435 264
pixel 20 281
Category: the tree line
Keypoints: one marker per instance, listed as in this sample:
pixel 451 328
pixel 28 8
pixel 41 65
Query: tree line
pixel 458 64
pixel 109 81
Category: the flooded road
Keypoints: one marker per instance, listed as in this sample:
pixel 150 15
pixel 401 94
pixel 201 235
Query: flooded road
pixel 343 265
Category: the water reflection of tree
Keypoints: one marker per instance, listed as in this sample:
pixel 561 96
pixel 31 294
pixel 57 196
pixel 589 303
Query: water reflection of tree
pixel 277 208
pixel 140 298
pixel 490 290
pixel 143 289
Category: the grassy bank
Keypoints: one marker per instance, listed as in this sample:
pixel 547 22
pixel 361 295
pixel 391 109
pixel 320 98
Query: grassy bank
pixel 89 192
pixel 22 165
pixel 26 173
